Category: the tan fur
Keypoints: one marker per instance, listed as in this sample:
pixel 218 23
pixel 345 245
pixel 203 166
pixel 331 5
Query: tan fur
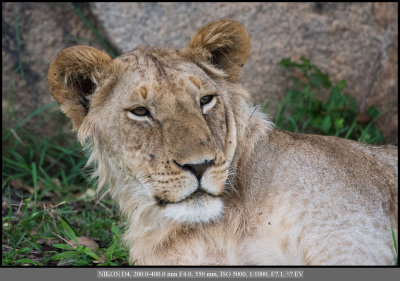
pixel 265 197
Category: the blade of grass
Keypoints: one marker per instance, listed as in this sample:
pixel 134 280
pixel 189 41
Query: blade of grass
pixel 64 247
pixel 30 116
pixel 21 238
pixel 25 261
pixel 64 179
pixel 368 126
pixel 4 182
pixel 16 136
pixel 103 40
pixel 293 122
pixel 17 156
pixel 278 115
pixel 395 246
pixel 10 210
pixel 305 124
pixel 341 131
pixel 35 187
pixel 348 134
pixel 43 153
pixel 69 231
pixel 17 165
pixel 66 255
pixel 394 239
pixel 89 252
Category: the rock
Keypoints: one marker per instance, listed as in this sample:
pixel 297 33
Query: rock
pixel 85 241
pixel 33 34
pixel 340 38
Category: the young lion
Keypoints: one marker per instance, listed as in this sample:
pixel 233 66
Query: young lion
pixel 202 177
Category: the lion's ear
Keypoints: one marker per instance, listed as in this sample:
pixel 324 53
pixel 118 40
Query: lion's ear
pixel 74 75
pixel 227 43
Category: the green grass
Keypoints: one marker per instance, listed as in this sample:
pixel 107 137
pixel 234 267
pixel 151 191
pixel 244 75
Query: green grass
pixel 306 110
pixel 395 246
pixel 48 201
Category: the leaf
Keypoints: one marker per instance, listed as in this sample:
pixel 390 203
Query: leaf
pixel 326 124
pixel 35 185
pixel 316 121
pixel 335 99
pixel 336 116
pixel 66 255
pixel 293 122
pixel 101 260
pixel 88 252
pixel 305 124
pixel 115 230
pixel 341 85
pixel 285 63
pixel 394 239
pixel 339 123
pixel 316 80
pixel 25 250
pixel 352 104
pixel 34 174
pixel 25 261
pixel 372 111
pixel 350 131
pixel 306 62
pixel 69 231
pixel 325 80
pixel 63 246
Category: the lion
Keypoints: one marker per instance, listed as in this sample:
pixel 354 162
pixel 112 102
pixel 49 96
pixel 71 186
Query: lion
pixel 203 177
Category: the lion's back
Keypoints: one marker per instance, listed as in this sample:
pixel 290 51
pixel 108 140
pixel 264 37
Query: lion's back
pixel 331 197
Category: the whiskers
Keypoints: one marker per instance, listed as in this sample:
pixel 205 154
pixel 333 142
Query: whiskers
pixel 147 179
pixel 153 182
pixel 230 184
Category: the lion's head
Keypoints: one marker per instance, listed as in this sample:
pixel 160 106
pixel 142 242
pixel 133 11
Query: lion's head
pixel 160 121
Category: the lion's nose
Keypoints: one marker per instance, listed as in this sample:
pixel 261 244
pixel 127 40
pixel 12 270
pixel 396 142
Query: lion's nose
pixel 197 169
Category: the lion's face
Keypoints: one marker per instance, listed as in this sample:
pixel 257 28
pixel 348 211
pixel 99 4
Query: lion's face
pixel 167 122
pixel 161 115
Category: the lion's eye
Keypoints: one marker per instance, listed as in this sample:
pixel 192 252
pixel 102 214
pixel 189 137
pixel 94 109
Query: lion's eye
pixel 140 111
pixel 206 99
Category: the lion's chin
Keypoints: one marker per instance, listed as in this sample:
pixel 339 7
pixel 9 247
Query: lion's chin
pixel 200 209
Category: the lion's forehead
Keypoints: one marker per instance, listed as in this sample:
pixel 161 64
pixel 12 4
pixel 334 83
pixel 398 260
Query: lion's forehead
pixel 154 76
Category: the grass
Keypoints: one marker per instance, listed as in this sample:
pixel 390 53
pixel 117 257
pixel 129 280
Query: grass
pixel 396 262
pixel 306 110
pixel 49 202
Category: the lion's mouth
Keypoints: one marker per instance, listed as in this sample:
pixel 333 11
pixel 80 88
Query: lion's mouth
pixel 196 194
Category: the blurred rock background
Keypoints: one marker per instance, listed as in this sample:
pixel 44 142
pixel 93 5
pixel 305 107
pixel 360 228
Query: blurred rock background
pixel 357 42
pixel 33 34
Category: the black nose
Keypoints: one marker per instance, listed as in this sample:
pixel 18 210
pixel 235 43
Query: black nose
pixel 197 169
